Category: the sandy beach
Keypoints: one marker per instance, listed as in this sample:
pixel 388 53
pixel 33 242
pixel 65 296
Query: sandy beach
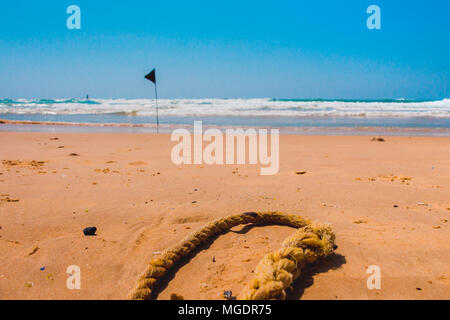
pixel 388 203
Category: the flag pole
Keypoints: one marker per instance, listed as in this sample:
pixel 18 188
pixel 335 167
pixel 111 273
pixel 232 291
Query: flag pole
pixel 152 77
pixel 157 111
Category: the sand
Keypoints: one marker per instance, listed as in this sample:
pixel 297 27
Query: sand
pixel 387 201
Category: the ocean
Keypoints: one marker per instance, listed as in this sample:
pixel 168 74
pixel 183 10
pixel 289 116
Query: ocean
pixel 294 115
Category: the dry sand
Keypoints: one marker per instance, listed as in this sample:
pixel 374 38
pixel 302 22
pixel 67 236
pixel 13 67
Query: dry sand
pixel 141 203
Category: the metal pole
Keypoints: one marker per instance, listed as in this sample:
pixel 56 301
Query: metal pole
pixel 157 111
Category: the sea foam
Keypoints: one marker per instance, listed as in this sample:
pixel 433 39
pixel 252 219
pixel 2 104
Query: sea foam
pixel 230 107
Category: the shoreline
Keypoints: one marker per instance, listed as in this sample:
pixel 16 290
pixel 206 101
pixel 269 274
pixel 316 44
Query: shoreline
pixel 84 127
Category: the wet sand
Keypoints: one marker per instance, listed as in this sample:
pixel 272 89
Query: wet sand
pixel 387 201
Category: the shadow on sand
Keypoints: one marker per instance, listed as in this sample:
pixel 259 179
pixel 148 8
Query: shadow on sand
pixel 305 280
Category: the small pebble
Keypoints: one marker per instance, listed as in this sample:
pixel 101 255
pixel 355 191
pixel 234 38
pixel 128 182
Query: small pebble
pixel 90 231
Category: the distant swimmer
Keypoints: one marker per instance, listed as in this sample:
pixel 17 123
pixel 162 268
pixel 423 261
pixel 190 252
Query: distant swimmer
pixel 87 97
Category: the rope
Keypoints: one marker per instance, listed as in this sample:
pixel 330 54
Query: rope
pixel 276 271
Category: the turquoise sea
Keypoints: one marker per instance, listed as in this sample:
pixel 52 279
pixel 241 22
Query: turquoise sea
pixel 293 115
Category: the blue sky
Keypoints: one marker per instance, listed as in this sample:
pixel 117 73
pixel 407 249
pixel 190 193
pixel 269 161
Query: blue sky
pixel 225 49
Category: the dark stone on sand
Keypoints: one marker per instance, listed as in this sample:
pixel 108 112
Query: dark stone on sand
pixel 90 231
pixel 229 295
pixel 74 155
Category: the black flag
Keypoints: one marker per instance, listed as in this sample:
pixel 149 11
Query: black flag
pixel 151 76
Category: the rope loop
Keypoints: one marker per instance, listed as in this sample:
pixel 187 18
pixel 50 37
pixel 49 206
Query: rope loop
pixel 275 272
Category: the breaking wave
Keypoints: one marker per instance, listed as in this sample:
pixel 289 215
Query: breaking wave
pixel 230 107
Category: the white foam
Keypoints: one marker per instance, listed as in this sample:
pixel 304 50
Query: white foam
pixel 232 107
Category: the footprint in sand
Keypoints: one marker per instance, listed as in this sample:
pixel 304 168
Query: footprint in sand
pixel 444 279
pixel 33 164
pixel 192 219
pixel 138 163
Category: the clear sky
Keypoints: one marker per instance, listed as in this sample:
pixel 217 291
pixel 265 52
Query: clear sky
pixel 225 49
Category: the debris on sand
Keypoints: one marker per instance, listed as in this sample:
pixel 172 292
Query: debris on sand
pixel 138 163
pixel 378 139
pixel 106 170
pixel 8 199
pixel 74 155
pixel 33 250
pixel 360 221
pixel 300 173
pixel 392 178
pixel 228 295
pixel 90 231
pixel 422 204
pixel 18 163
